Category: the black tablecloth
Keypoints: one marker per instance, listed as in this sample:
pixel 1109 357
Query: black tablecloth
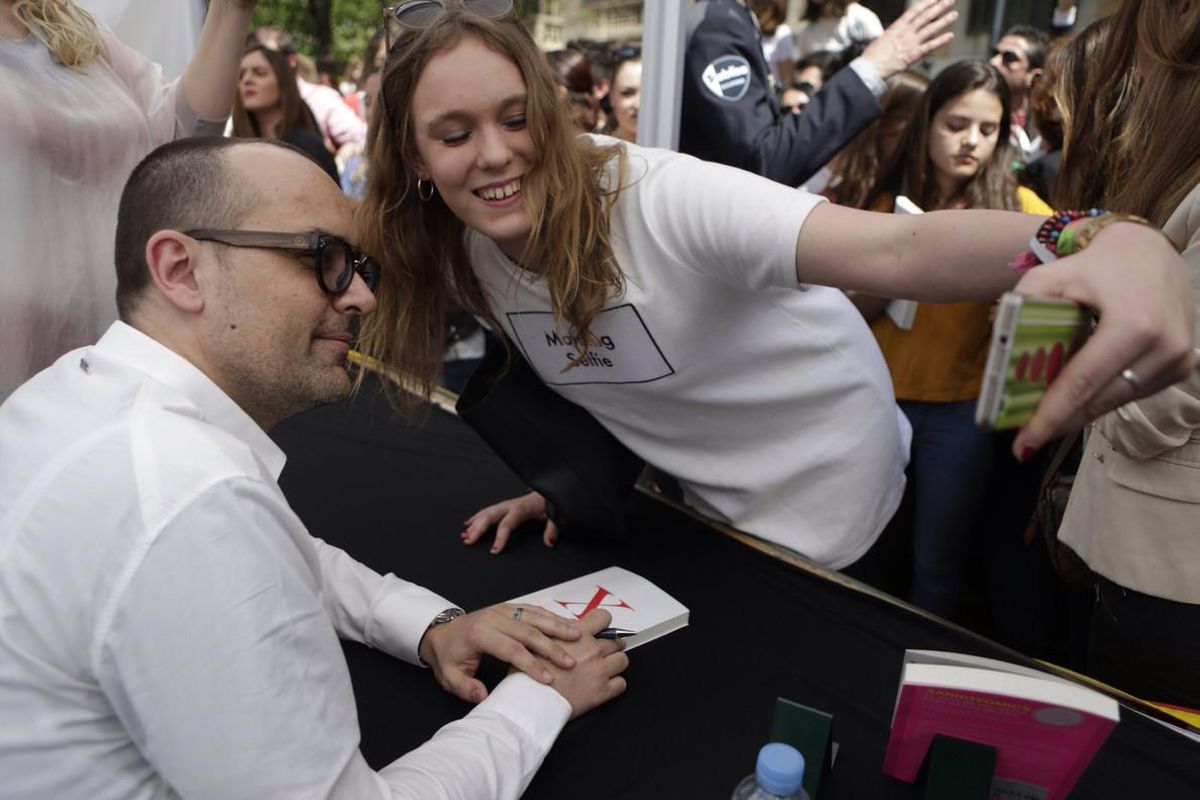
pixel 700 700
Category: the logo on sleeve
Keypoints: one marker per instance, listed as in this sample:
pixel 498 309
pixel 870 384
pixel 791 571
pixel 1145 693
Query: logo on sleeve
pixel 728 77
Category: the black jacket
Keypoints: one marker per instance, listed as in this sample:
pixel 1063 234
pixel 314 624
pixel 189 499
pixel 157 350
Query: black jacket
pixel 731 115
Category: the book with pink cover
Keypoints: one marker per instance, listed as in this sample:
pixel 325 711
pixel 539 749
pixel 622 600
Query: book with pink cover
pixel 1046 729
pixel 635 603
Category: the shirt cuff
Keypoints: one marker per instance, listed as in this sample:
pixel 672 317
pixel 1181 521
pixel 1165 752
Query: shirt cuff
pixel 401 616
pixel 534 707
pixel 869 74
pixel 188 123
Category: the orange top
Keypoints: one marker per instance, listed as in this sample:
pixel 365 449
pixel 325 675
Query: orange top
pixel 941 359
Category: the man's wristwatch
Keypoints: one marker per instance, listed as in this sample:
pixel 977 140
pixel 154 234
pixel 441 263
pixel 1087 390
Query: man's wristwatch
pixel 448 615
pixel 442 617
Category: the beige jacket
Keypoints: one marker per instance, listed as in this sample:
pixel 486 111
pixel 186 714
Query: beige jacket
pixel 1134 513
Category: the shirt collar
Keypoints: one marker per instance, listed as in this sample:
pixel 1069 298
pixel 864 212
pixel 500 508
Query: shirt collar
pixel 147 355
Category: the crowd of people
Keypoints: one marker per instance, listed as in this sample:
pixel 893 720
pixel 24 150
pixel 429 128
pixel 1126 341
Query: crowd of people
pixel 720 312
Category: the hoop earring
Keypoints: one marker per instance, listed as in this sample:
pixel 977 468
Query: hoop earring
pixel 425 190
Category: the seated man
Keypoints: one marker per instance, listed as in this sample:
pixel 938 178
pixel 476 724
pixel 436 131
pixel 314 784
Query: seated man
pixel 167 625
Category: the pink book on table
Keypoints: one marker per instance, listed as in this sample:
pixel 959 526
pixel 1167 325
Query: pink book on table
pixel 1046 730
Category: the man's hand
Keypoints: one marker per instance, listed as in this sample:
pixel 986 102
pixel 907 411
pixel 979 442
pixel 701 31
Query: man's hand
pixel 1133 278
pixel 911 37
pixel 596 677
pixel 532 641
pixel 507 516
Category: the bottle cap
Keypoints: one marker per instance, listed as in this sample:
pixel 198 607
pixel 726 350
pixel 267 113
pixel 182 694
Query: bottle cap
pixel 780 769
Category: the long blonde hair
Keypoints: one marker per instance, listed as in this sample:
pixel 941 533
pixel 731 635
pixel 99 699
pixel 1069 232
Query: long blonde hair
pixel 419 244
pixel 69 32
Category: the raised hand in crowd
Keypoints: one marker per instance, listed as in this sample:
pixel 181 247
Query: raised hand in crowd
pixel 915 34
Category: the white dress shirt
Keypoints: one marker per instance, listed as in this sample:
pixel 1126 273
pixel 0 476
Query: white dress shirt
pixel 168 628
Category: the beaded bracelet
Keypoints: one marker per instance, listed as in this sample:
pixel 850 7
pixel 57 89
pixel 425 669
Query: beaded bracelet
pixel 1043 245
pixel 1073 240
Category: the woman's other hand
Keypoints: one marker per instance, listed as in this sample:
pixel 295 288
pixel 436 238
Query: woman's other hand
pixel 507 516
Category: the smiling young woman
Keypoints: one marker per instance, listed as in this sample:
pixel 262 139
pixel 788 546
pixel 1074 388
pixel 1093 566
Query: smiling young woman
pixel 771 405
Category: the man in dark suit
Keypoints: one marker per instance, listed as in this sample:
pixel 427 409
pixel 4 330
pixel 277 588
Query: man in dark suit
pixel 730 110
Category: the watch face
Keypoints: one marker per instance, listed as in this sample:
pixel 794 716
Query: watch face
pixel 447 615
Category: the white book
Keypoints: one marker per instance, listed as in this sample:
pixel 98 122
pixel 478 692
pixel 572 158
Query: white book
pixel 635 603
pixel 903 312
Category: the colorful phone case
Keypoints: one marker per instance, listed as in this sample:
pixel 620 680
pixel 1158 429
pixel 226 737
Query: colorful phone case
pixel 1031 341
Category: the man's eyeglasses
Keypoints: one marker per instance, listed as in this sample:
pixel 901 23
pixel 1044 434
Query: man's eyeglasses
pixel 334 259
pixel 415 15
pixel 1007 57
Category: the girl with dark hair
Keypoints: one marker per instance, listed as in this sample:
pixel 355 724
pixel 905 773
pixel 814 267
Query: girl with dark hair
pixel 953 155
pixel 625 96
pixel 268 105
pixel 664 294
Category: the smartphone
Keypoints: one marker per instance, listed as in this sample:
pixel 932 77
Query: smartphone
pixel 1032 338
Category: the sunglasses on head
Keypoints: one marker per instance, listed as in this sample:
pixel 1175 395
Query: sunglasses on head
pixel 627 52
pixel 1007 57
pixel 415 15
pixel 335 260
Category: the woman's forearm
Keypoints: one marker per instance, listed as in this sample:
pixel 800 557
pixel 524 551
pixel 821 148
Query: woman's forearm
pixel 211 76
pixel 942 256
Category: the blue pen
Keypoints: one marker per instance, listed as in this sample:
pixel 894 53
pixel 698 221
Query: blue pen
pixel 615 633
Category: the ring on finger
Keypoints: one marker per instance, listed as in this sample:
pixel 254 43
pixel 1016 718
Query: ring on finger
pixel 517 612
pixel 1131 377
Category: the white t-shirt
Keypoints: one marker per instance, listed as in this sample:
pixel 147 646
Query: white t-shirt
pixel 769 401
pixel 778 49
pixel 836 33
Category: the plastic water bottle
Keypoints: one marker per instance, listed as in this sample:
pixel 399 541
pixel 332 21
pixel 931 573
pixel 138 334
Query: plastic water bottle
pixel 779 775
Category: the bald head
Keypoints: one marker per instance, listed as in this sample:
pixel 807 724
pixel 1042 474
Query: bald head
pixel 287 186
pixel 199 183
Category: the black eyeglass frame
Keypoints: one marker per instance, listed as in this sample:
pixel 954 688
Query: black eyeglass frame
pixel 312 245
